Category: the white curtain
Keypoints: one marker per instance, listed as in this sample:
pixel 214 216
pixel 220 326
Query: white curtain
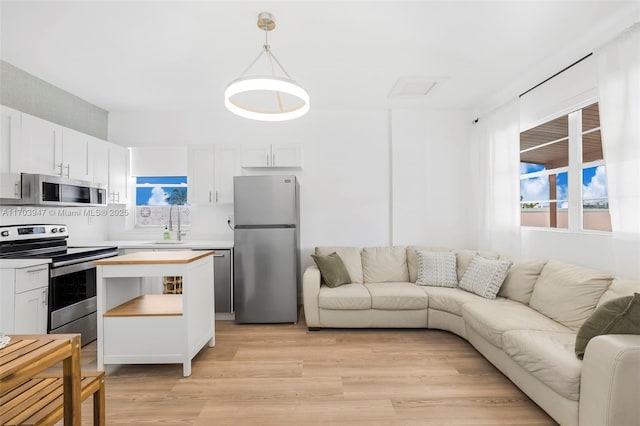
pixel 618 67
pixel 495 161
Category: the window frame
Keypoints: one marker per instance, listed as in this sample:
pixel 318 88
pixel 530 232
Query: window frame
pixel 574 169
pixel 181 208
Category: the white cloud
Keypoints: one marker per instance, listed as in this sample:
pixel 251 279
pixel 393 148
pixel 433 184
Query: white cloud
pixel 597 187
pixel 534 189
pixel 158 197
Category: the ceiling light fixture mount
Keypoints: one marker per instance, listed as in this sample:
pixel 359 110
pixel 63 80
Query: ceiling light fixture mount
pixel 284 100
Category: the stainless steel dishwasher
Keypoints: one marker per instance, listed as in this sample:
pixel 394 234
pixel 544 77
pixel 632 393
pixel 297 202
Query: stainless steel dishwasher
pixel 223 283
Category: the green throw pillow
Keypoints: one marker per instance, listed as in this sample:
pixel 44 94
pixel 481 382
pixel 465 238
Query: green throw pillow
pixel 332 269
pixel 617 316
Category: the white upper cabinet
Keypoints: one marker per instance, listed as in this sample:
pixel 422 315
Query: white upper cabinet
pixel 200 174
pixel 286 155
pixel 99 157
pixel 227 165
pixel 272 155
pixel 11 155
pixel 76 163
pixel 211 169
pixel 42 140
pixel 118 174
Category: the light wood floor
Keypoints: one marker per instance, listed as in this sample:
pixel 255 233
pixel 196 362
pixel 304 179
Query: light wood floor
pixel 284 374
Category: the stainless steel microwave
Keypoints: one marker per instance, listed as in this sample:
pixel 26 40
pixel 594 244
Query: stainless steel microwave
pixel 44 190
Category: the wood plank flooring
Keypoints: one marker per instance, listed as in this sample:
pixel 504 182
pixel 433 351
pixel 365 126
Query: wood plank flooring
pixel 286 375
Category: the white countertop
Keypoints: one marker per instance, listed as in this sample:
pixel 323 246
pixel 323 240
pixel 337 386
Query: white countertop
pixel 22 263
pixel 158 244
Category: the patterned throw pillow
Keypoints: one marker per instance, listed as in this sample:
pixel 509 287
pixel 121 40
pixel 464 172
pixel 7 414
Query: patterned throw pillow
pixel 485 276
pixel 437 269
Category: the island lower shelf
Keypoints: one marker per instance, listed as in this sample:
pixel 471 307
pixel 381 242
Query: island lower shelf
pixel 149 305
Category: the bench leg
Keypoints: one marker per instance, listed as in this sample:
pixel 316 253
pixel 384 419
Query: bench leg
pixel 98 405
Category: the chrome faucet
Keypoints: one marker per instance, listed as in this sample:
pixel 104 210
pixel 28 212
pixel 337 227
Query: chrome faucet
pixel 179 233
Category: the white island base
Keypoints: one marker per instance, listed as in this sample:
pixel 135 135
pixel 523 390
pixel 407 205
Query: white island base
pixel 134 328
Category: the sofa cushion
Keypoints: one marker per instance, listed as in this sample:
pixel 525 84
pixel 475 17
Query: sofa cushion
pixel 397 296
pixel 521 279
pixel 437 269
pixel 385 264
pixel 548 356
pixel 491 318
pixel 617 316
pixel 485 276
pixel 332 269
pixel 568 293
pixel 464 258
pixel 345 297
pixel 350 257
pixel 620 287
pixel 449 299
pixel 412 259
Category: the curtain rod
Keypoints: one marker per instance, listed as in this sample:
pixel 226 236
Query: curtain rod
pixel 559 72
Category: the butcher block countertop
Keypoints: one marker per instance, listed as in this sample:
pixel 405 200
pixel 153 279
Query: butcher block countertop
pixel 155 257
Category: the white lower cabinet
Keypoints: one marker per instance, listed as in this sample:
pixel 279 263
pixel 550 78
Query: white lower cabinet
pixel 24 300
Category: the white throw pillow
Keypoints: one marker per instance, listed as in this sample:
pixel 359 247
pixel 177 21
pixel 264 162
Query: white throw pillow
pixel 437 269
pixel 485 276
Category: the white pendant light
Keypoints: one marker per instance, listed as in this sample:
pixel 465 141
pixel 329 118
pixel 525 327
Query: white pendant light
pixel 266 97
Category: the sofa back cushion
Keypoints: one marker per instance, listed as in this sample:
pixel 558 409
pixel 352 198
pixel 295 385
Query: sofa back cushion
pixel 620 287
pixel 464 258
pixel 521 279
pixel 568 293
pixel 350 257
pixel 412 259
pixel 385 264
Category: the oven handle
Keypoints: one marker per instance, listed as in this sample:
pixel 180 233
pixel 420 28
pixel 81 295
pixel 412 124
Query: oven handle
pixel 71 266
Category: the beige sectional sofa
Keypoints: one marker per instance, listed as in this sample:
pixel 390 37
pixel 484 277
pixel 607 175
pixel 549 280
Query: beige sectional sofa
pixel 528 332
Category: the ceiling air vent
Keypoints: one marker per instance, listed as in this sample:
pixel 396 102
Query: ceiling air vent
pixel 413 87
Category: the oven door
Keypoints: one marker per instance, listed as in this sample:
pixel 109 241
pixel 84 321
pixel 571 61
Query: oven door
pixel 72 299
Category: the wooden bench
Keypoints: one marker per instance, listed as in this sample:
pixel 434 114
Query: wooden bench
pixel 39 401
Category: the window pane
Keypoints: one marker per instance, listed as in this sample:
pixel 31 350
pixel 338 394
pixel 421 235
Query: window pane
pixel 547 132
pixel 541 190
pixel 550 156
pixel 592 147
pixel 543 201
pixel 595 201
pixel 590 117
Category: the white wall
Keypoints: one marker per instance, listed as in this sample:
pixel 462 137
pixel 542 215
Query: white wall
pixel 81 226
pixel 431 178
pixel 344 181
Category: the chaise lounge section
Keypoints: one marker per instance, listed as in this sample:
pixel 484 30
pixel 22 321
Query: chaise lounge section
pixel 528 331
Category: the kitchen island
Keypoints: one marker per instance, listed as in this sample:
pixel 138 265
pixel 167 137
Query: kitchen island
pixel 138 328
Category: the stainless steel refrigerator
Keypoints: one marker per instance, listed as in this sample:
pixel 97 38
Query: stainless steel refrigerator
pixel 266 249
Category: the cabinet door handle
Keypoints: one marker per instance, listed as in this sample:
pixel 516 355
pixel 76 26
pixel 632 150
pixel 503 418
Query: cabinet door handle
pixel 218 255
pixel 267 159
pixel 216 196
pixel 273 159
pixel 16 191
pixel 68 167
pixel 30 271
pixel 45 297
pixel 60 166
pixel 210 200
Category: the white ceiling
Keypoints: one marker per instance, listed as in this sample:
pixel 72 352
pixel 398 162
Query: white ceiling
pixel 179 55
